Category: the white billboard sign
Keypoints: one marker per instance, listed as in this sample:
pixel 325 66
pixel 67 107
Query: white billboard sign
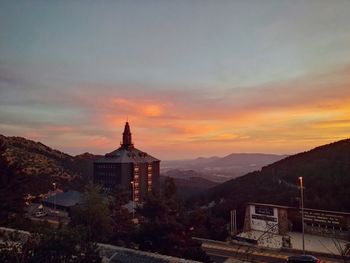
pixel 264 218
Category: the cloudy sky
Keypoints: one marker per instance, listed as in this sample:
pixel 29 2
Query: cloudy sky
pixel 194 78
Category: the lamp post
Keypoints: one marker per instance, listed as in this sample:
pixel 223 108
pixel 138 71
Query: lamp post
pixel 302 210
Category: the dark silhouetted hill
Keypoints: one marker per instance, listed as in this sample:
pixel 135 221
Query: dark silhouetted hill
pixel 188 183
pixel 44 165
pixel 326 172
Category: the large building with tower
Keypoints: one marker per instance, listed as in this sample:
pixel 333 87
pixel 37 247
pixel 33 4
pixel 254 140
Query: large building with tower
pixel 128 168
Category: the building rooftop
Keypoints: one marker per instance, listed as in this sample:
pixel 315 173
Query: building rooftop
pixel 66 199
pixel 127 153
pixel 126 255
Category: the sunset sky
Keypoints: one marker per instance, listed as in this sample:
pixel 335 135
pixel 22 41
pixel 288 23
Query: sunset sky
pixel 194 78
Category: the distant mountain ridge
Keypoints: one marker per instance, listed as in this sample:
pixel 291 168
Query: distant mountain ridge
pixel 326 173
pixel 220 169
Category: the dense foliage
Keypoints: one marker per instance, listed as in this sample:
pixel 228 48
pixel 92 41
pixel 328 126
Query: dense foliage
pixel 12 190
pixel 93 215
pixel 43 165
pixel 164 226
pixel 61 245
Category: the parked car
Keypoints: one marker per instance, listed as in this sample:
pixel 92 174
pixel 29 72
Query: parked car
pixel 40 214
pixel 303 259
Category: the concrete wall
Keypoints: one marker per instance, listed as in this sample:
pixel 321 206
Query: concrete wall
pixel 247 225
pixel 283 224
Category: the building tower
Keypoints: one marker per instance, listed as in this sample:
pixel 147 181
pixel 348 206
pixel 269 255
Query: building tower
pixel 128 168
pixel 127 141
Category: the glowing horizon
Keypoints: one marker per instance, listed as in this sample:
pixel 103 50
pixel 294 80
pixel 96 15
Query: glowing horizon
pixel 193 79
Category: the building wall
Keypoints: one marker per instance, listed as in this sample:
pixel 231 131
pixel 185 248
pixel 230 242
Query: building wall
pixel 107 175
pixel 317 222
pixel 156 176
pixel 247 226
pixel 113 175
pixel 263 218
pixel 147 171
pixel 126 175
pixel 143 178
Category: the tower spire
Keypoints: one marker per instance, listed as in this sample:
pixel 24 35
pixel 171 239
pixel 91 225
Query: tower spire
pixel 127 141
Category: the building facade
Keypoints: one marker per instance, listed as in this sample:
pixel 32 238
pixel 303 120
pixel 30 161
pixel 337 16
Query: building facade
pixel 280 220
pixel 128 168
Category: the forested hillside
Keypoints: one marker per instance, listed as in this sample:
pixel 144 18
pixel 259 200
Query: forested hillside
pixel 42 165
pixel 326 172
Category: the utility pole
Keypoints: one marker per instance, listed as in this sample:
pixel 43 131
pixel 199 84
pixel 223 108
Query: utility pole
pixel 302 210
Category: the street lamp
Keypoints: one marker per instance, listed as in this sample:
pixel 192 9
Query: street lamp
pixel 302 210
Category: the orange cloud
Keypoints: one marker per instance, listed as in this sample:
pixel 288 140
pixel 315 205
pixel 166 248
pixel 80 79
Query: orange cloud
pixel 152 110
pixel 281 117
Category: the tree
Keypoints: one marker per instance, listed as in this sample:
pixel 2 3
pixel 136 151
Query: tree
pixel 11 251
pixel 168 189
pixel 64 244
pixel 122 224
pixel 93 215
pixel 162 226
pixel 12 189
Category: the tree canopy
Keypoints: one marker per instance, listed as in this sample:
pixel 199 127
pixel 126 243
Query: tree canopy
pixel 93 214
